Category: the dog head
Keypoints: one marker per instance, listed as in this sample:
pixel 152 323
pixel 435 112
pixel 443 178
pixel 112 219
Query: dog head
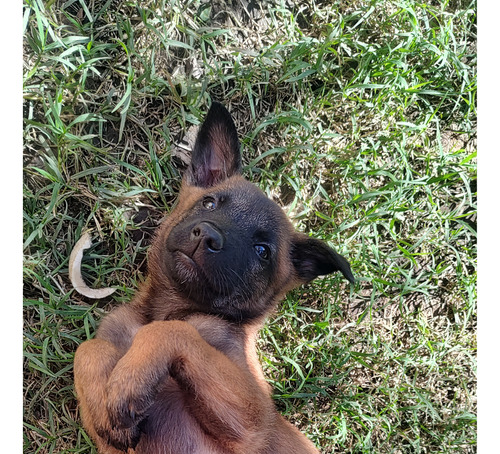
pixel 226 248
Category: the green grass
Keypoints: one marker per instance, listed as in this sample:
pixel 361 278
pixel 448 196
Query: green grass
pixel 359 118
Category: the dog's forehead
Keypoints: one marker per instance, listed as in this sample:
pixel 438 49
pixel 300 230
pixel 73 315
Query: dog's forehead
pixel 247 196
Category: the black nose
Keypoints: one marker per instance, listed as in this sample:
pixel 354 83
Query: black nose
pixel 210 236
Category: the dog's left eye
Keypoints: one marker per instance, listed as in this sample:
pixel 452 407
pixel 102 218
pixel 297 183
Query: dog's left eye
pixel 209 203
pixel 262 251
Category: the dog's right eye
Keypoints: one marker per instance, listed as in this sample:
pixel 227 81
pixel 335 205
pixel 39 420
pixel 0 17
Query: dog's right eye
pixel 209 203
pixel 262 251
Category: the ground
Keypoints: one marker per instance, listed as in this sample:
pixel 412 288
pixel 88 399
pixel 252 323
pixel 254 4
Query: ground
pixel 358 118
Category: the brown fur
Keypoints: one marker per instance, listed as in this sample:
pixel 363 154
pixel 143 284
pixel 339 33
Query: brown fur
pixel 168 374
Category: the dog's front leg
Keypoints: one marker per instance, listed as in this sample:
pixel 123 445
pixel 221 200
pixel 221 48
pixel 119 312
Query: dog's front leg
pixel 224 398
pixel 95 359
pixel 94 362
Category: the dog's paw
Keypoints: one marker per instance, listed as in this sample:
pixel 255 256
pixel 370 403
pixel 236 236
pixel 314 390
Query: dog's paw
pixel 121 439
pixel 128 401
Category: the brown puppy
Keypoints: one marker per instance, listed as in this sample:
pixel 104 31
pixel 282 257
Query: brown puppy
pixel 175 370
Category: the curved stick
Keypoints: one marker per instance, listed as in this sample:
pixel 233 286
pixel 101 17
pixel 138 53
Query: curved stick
pixel 75 273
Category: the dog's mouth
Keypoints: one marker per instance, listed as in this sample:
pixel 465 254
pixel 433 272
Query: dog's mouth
pixel 185 259
pixel 190 275
pixel 186 268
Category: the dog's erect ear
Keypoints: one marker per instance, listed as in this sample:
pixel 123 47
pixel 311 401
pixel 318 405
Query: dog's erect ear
pixel 312 258
pixel 216 153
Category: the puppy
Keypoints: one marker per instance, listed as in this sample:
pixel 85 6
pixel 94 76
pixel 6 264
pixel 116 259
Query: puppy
pixel 176 370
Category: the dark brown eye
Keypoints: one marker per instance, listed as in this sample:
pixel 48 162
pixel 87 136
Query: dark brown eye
pixel 209 203
pixel 262 251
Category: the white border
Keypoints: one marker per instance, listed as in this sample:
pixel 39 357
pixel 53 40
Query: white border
pixel 489 225
pixel 11 318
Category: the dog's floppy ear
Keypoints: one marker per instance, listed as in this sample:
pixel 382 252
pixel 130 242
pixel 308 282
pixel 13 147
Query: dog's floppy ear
pixel 216 153
pixel 312 258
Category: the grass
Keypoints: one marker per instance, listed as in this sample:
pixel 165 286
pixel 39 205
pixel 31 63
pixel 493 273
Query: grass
pixel 359 118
